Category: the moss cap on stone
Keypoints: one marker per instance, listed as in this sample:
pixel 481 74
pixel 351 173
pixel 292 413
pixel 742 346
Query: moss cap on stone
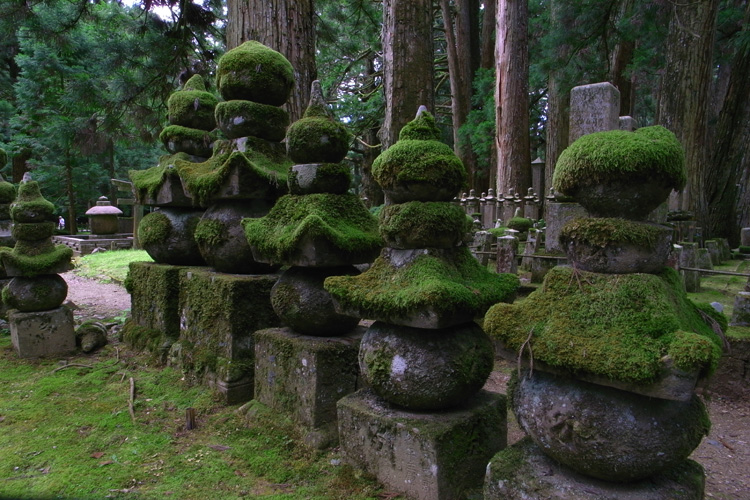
pixel 649 154
pixel 148 182
pixel 419 161
pixel 341 220
pixel 192 108
pixel 30 205
pixel 55 259
pixel 7 191
pixel 255 72
pixel 619 326
pixel 447 282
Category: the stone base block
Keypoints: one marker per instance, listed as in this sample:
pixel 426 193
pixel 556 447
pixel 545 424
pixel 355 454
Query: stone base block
pixel 42 333
pixel 155 297
pixel 522 471
pixel 304 377
pixel 427 456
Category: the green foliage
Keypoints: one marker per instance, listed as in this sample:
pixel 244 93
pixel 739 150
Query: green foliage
pixel 478 132
pixel 616 326
pixel 521 224
pixel 650 153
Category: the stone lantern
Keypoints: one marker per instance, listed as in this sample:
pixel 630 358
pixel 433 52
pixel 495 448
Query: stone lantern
pixel 103 218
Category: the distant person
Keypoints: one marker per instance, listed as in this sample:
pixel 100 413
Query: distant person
pixel 60 223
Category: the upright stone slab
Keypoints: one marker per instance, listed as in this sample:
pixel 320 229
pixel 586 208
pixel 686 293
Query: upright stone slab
pixel 426 455
pixel 689 258
pixel 593 108
pixel 42 333
pixel 218 315
pixel 305 376
pixel 559 214
pixel 745 237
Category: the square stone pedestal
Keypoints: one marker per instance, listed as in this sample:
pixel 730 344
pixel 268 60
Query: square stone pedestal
pixel 428 456
pixel 523 471
pixel 42 333
pixel 155 297
pixel 304 377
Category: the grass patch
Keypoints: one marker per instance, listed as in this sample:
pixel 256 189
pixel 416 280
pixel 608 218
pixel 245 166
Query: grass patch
pixel 108 267
pixel 69 434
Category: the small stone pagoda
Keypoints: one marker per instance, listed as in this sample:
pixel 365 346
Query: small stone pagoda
pixel 612 346
pixel 318 230
pixel 424 427
pixel 39 324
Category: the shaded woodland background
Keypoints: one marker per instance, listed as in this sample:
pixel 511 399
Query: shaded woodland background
pixel 84 83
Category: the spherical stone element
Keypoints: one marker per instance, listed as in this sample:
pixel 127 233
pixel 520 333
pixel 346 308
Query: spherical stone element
pixel 420 369
pixel 254 72
pixel 300 300
pixel 606 433
pixel 246 118
pixel 167 235
pixel 192 109
pixel 179 139
pixel 419 224
pixel 40 293
pixel 310 178
pixel 622 174
pixel 616 246
pixel 30 206
pixel 221 239
pixel 317 139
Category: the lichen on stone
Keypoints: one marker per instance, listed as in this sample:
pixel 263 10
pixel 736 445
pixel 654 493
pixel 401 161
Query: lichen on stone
pixel 340 219
pixel 428 282
pixel 649 153
pixel 613 325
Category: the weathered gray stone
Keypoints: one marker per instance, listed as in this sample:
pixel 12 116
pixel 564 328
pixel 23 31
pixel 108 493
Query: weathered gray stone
pixel 171 241
pixel 704 259
pixel 91 335
pixel 523 472
pixel 603 432
pixel 559 214
pixel 741 311
pixel 40 293
pixel 221 238
pixel 42 333
pixel 623 198
pixel 155 297
pixel 421 369
pixel 627 123
pixel 300 300
pixel 593 108
pixel 304 377
pixel 745 237
pixel 507 249
pixel 310 178
pixel 427 456
pixel 714 251
pixel 689 258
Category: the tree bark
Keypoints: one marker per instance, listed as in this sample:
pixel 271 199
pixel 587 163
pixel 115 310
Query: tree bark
pixel 511 97
pixel 620 58
pixel 370 189
pixel 71 224
pixel 408 79
pixel 684 93
pixel 487 49
pixel 286 26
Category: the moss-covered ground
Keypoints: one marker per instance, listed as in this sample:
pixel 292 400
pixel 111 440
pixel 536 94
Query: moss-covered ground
pixel 66 432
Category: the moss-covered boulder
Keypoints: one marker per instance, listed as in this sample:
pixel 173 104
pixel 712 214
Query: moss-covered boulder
pixel 40 293
pixel 419 167
pixel 315 230
pixel 30 206
pixel 193 106
pixel 179 139
pixel 620 327
pixel 254 72
pixel 317 137
pixel 311 178
pixel 240 118
pixel 422 288
pixel 418 224
pixel 622 174
pixel 168 235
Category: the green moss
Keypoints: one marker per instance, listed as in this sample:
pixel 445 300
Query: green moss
pixel 317 140
pixel 48 262
pixel 616 326
pixel 423 221
pixel 602 232
pixel 155 291
pixel 521 224
pixel 743 249
pixel 256 170
pixel 422 128
pixel 7 192
pixel 32 231
pixel 417 161
pixel 179 139
pixel 460 284
pixel 497 231
pixel 340 219
pixel 708 310
pixel 148 182
pixel 255 72
pixel 30 206
pixel 650 153
pixel 154 228
pixel 192 108
pixel 195 82
pixel 261 120
pixel 209 232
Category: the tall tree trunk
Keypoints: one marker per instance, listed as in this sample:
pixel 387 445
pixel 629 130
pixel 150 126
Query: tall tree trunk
pixel 20 165
pixel 408 79
pixel 620 57
pixel 728 199
pixel 684 93
pixel 71 225
pixel 371 189
pixel 286 26
pixel 512 96
pixel 462 43
pixel 487 49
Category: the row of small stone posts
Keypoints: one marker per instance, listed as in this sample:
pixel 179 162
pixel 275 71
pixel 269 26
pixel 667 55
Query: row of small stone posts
pixel 488 208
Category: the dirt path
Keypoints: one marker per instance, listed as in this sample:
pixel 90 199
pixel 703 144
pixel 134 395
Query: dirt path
pixel 725 453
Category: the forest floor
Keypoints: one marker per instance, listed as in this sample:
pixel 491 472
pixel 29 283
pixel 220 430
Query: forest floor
pixel 724 453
